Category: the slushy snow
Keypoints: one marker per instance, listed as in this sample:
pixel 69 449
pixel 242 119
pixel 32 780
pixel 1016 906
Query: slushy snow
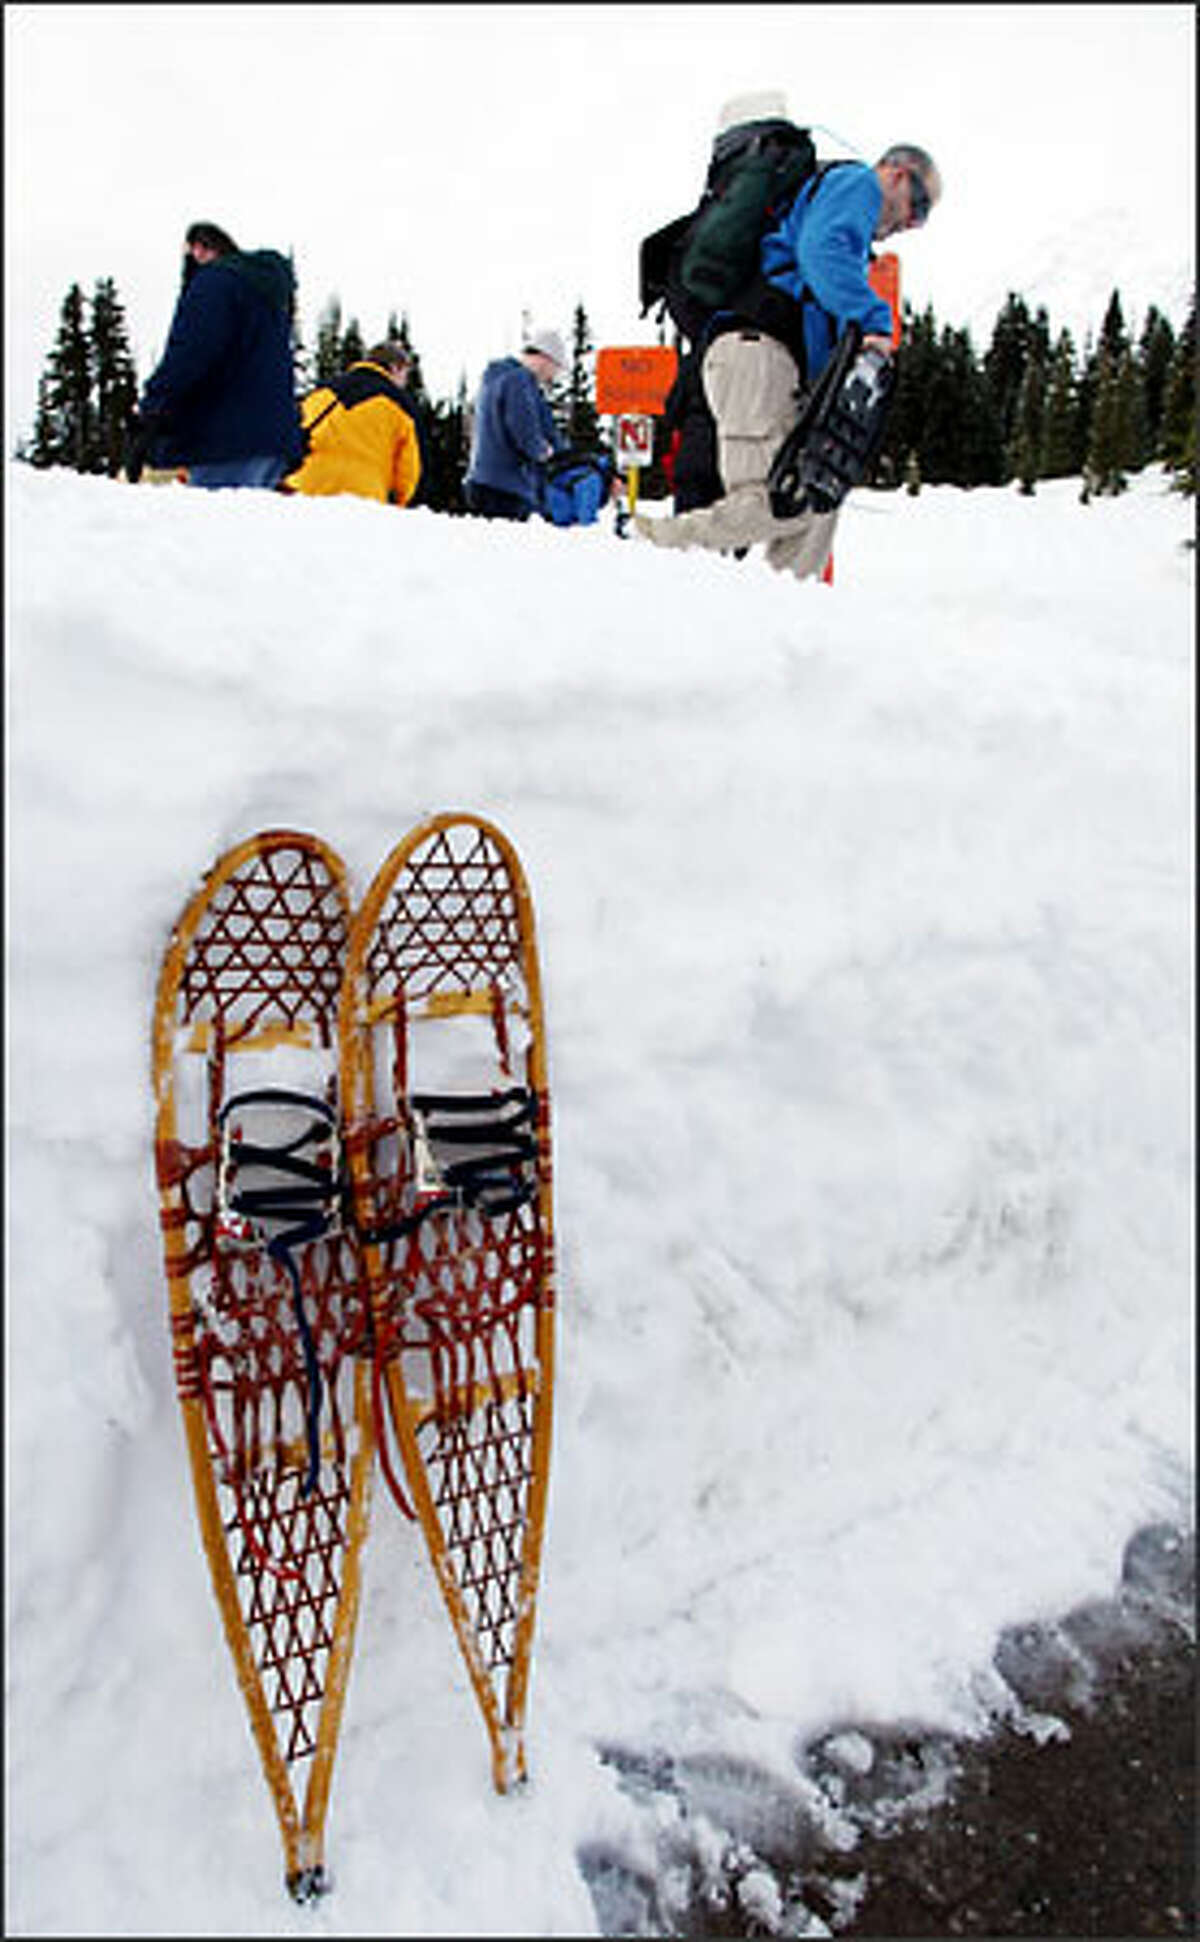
pixel 866 927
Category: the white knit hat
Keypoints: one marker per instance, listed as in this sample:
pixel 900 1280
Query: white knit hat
pixel 770 105
pixel 550 344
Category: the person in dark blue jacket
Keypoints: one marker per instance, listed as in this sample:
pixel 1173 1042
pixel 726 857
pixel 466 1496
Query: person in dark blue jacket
pixel 222 399
pixel 514 431
pixel 759 360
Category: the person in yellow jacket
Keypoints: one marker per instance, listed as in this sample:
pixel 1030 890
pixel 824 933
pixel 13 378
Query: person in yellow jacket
pixel 361 437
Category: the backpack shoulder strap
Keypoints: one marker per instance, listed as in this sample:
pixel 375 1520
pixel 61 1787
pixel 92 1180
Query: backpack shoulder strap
pixel 324 412
pixel 826 168
pixel 363 381
pixel 812 183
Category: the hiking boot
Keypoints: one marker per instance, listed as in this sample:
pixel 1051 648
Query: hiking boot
pixel 660 531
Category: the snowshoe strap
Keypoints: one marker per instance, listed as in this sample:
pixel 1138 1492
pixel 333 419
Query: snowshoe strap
pixel 265 1185
pixel 267 1189
pixel 470 1150
pixel 499 1129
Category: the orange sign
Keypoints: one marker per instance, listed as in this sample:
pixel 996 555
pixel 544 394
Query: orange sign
pixel 636 378
pixel 883 275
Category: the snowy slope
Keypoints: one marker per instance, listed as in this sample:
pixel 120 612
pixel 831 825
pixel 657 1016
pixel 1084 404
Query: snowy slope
pixel 866 926
pixel 1072 274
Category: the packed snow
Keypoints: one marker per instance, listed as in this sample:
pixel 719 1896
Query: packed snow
pixel 866 924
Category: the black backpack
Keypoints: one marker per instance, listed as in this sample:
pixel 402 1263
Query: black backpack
pixel 699 263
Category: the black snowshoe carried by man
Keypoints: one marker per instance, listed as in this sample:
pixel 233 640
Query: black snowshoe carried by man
pixel 834 441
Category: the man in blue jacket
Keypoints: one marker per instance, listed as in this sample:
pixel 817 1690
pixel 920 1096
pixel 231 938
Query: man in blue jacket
pixel 514 432
pixel 222 399
pixel 760 358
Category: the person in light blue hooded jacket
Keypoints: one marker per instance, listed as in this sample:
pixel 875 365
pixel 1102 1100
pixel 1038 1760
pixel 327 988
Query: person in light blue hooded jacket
pixel 818 256
pixel 759 360
pixel 514 431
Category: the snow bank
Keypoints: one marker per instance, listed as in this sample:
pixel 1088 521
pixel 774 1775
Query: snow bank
pixel 866 926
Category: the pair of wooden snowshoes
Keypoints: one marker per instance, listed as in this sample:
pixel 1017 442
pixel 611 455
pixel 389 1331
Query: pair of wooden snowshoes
pixel 354 1170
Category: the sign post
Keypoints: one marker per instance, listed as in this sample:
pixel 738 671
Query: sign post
pixel 635 446
pixel 632 383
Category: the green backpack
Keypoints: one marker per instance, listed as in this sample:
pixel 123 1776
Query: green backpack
pixel 698 264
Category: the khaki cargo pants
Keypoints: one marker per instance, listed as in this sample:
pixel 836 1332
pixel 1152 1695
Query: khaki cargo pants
pixel 752 385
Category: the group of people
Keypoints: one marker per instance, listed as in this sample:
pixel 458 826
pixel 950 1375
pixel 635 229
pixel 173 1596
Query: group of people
pixel 221 401
pixel 220 405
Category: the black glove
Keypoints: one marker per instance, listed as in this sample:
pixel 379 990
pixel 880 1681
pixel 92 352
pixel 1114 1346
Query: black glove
pixel 140 433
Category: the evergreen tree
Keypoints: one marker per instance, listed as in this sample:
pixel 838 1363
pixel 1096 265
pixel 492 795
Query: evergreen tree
pixel 329 342
pixel 1131 412
pixel 961 442
pixel 1115 431
pixel 982 439
pixel 1026 455
pixel 352 347
pixel 1004 362
pixel 449 452
pixel 916 364
pixel 1108 445
pixel 1086 391
pixel 1156 347
pixel 63 432
pixel 583 425
pixel 1177 431
pixel 115 380
pixel 1039 337
pixel 943 426
pixel 1061 453
pixel 399 333
pixel 45 445
pixel 941 443
pixel 1114 338
pixel 461 449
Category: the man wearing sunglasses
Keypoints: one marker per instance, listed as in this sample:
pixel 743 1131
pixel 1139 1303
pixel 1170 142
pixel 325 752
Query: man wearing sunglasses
pixel 761 357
